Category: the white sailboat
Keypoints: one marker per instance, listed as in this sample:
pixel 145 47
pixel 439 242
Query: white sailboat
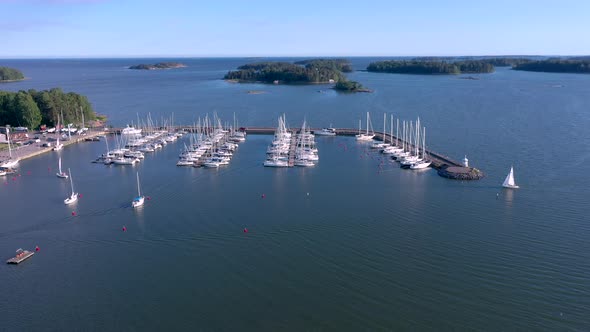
pixel 58 146
pixel 61 174
pixel 73 196
pixel 12 162
pixel 509 181
pixel 138 201
pixel 423 162
pixel 366 136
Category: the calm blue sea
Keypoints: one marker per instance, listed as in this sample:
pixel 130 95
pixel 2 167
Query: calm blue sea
pixel 354 244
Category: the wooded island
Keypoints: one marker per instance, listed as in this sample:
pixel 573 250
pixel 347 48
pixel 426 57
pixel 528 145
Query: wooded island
pixel 313 71
pixel 431 67
pixel 556 66
pixel 10 74
pixel 159 65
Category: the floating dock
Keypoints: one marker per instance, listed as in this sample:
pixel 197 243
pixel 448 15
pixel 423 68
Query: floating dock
pixel 21 255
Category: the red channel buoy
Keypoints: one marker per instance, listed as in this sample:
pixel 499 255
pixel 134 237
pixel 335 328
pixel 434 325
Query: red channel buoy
pixel 124 229
pixel 37 248
pixel 74 213
pixel 245 230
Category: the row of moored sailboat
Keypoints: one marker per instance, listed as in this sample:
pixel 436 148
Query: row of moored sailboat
pixel 211 146
pixel 410 151
pixel 287 150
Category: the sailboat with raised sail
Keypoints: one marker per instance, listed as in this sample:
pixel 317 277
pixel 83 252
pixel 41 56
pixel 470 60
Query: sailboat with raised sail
pixel 61 174
pixel 366 136
pixel 58 146
pixel 138 201
pixel 509 181
pixel 12 162
pixel 73 196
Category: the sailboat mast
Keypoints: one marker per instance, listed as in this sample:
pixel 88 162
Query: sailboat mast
pixel 138 190
pixel 8 140
pixel 391 131
pixel 397 133
pixel 71 180
pixel 424 145
pixel 367 123
pixel 384 122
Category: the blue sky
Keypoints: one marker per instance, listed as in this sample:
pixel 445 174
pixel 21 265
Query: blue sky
pixel 98 28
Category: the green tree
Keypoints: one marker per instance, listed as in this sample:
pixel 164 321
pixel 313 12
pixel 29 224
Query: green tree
pixel 27 112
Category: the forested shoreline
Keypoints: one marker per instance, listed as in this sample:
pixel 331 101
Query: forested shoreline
pixel 10 74
pixel 556 66
pixel 32 108
pixel 431 67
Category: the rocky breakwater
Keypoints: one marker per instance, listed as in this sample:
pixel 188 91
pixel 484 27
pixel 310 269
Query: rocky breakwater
pixel 460 173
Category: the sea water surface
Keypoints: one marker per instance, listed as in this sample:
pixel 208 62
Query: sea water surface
pixel 354 243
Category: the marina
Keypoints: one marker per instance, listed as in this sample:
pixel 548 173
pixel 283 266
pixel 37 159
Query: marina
pixel 353 243
pixel 212 146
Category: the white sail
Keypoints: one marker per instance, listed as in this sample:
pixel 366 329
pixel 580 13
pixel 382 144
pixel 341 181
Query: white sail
pixel 74 196
pixel 139 200
pixel 509 181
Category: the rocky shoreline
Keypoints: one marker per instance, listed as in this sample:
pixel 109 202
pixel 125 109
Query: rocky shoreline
pixel 460 173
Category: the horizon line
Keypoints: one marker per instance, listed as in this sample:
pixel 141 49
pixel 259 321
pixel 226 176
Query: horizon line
pixel 161 56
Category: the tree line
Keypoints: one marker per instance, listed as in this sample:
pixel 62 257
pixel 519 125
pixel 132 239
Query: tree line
pixel 32 108
pixel 430 67
pixel 10 74
pixel 556 66
pixel 342 65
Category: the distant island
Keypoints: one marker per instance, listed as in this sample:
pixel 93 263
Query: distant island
pixel 312 71
pixel 10 74
pixel 350 86
pixel 302 72
pixel 573 65
pixel 32 108
pixel 431 67
pixel 159 65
